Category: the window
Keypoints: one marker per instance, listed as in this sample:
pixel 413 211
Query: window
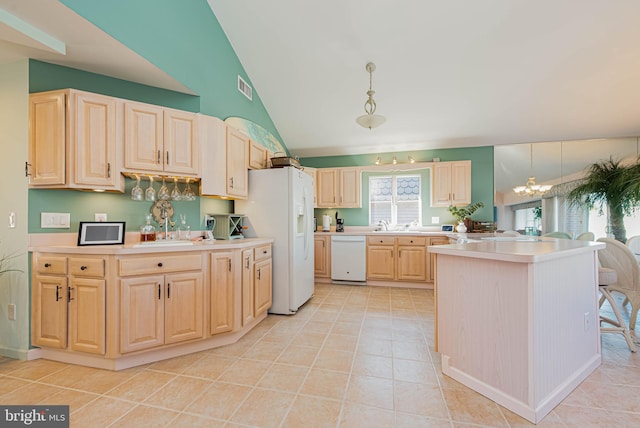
pixel 395 199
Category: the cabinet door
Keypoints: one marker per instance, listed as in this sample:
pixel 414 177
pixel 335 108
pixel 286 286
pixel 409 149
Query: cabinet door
pixel 222 292
pixel 440 240
pixel 141 313
pixel 181 149
pixel 262 281
pixel 441 185
pixel 412 263
pixel 461 183
pixel 237 163
pixel 248 297
pixel 143 137
pixel 257 155
pixel 87 318
pixel 350 188
pixel 94 138
pixel 326 187
pixel 47 150
pixel 49 307
pixel 213 146
pixel 380 262
pixel 321 256
pixel 183 309
pixel 312 172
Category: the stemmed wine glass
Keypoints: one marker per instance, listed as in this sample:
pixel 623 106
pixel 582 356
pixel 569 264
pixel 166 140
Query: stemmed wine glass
pixel 163 193
pixel 150 193
pixel 175 193
pixel 188 194
pixel 137 194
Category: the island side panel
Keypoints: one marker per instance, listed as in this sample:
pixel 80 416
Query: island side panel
pixel 566 336
pixel 483 322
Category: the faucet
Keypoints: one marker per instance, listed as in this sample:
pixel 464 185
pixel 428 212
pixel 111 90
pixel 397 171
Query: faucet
pixel 384 224
pixel 165 217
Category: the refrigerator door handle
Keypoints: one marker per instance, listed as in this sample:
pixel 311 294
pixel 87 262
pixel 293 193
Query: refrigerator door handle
pixel 307 222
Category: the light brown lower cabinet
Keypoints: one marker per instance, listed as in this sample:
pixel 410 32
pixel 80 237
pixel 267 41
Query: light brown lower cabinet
pixel 436 240
pixel 68 303
pixel 223 280
pixel 322 256
pixel 257 294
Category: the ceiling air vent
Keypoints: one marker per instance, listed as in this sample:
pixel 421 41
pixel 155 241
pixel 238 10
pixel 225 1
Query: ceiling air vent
pixel 245 88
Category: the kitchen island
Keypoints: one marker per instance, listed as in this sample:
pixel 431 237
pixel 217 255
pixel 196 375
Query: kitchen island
pixel 517 318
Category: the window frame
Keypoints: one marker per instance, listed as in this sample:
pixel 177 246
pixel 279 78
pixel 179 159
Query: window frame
pixel 394 196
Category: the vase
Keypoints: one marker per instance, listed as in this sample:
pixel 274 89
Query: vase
pixel 461 228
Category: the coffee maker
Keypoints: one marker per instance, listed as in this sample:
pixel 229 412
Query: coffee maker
pixel 339 223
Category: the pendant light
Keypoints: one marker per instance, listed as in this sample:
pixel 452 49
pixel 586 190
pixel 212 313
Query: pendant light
pixel 370 119
pixel 531 188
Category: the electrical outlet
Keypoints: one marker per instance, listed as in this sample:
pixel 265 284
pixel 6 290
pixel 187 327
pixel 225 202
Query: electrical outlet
pixel 587 321
pixel 435 220
pixel 55 220
pixel 11 312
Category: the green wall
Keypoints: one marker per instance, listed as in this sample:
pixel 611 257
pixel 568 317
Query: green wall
pixel 481 181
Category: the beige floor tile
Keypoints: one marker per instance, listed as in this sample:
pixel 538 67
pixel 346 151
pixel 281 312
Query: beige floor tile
pixel 317 327
pixel 406 420
pixel 264 408
pixel 551 420
pixel 176 365
pixel 375 346
pixel 326 316
pixel 371 391
pixel 246 372
pixel 210 366
pixel 74 399
pixel 419 399
pixel 356 415
pixel 311 339
pixel 219 401
pixel 332 359
pixel 233 350
pixel 414 371
pixel 385 333
pixel 348 328
pixel 324 383
pixel 145 416
pixel 29 393
pixel 284 377
pixel 341 342
pixel 351 315
pixel 87 379
pixel 9 384
pixel 37 369
pixel 7 365
pixel 373 365
pixel 184 420
pixel 265 351
pixel 179 393
pixel 141 386
pixel 100 413
pixel 298 355
pixel 411 350
pixel 469 406
pixel 606 396
pixel 313 412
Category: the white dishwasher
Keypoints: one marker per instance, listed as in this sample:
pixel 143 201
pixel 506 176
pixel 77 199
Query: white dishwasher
pixel 348 259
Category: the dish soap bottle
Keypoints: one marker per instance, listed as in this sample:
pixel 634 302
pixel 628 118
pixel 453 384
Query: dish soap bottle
pixel 184 230
pixel 148 231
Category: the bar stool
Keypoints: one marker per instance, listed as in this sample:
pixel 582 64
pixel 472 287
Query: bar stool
pixel 607 277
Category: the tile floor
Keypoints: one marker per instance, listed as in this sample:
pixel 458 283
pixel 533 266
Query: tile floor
pixel 353 356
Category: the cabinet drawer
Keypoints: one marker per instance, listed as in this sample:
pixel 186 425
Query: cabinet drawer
pixel 381 240
pixel 86 267
pixel 159 264
pixel 262 252
pixel 412 240
pixel 51 264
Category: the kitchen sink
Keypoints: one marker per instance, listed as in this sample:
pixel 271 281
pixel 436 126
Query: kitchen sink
pixel 163 243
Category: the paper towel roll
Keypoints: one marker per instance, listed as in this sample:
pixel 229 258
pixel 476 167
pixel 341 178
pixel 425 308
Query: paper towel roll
pixel 326 223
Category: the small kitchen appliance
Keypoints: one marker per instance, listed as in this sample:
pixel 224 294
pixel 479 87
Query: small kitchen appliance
pixel 339 223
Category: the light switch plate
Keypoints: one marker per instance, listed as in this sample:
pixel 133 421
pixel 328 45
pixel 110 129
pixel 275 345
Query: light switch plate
pixel 100 216
pixel 435 220
pixel 55 220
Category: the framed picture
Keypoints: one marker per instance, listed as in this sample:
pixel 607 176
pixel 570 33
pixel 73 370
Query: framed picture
pixel 101 233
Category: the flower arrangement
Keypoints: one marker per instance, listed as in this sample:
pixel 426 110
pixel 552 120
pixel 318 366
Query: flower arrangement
pixel 461 213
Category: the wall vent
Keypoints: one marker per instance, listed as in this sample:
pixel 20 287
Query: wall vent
pixel 245 88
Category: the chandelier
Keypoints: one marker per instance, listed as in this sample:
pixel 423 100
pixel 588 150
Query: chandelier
pixel 370 119
pixel 531 188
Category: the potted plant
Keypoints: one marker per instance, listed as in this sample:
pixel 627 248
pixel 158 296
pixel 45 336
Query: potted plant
pixel 462 213
pixel 611 184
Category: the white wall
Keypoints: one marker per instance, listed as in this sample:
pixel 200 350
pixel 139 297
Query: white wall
pixel 14 286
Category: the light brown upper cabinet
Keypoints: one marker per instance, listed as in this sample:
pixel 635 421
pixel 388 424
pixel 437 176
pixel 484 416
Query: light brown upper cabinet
pixel 338 188
pixel 74 141
pixel 159 140
pixel 225 152
pixel 257 155
pixel 451 184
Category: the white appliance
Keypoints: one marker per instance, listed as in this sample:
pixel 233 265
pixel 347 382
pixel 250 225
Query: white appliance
pixel 348 259
pixel 280 206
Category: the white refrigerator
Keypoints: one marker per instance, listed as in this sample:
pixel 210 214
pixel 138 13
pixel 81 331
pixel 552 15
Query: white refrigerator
pixel 280 206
